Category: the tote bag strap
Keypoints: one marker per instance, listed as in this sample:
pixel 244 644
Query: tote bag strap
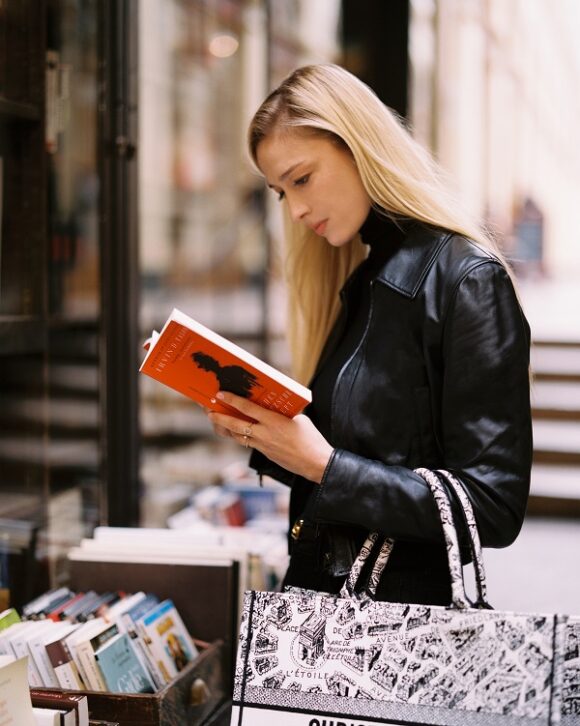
pixel 348 588
pixel 458 596
pixel 474 540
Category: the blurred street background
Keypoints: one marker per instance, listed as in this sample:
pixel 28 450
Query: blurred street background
pixel 126 190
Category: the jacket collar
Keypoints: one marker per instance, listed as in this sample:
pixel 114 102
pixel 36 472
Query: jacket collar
pixel 412 257
pixel 407 268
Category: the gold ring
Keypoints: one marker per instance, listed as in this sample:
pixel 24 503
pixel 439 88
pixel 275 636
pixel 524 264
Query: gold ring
pixel 248 430
pixel 246 440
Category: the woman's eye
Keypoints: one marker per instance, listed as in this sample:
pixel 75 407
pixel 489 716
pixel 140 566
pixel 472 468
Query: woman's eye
pixel 281 196
pixel 302 180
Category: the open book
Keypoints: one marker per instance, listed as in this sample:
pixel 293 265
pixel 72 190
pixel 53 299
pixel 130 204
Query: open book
pixel 197 362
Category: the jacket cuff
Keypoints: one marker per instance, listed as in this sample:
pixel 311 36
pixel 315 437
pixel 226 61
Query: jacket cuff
pixel 332 500
pixel 266 467
pixel 382 498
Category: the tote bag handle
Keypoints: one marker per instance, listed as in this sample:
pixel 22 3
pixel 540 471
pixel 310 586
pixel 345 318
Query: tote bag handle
pixel 473 535
pixel 459 599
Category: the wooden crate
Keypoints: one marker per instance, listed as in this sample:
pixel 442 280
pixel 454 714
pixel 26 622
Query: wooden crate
pixel 191 698
pixel 206 597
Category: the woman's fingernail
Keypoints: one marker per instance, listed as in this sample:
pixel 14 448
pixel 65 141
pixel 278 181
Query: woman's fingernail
pixel 212 400
pixel 219 395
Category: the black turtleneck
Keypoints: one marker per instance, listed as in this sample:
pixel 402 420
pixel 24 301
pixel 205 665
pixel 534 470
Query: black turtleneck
pixel 382 236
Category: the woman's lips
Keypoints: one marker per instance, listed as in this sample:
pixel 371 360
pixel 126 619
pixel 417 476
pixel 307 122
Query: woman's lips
pixel 320 227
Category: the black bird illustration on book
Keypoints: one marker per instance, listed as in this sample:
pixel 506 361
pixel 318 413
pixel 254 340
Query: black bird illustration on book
pixel 234 379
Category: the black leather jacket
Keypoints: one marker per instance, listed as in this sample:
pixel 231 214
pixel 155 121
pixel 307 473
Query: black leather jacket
pixel 440 380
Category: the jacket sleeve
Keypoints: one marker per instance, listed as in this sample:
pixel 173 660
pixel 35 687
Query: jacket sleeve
pixel 266 467
pixel 484 429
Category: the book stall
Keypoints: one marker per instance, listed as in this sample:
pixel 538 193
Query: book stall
pixel 145 631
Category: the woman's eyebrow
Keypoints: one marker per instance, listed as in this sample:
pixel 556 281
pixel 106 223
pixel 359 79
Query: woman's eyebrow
pixel 290 170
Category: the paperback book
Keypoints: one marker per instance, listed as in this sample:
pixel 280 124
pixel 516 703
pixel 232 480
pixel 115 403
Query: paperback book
pixel 167 638
pixel 197 362
pixel 65 668
pixel 121 668
pixel 8 617
pixel 37 647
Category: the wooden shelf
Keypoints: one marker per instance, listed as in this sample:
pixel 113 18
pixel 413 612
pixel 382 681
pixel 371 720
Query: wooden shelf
pixel 18 111
pixel 21 335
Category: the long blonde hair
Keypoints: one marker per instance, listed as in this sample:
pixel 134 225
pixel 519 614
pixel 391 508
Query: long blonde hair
pixel 400 176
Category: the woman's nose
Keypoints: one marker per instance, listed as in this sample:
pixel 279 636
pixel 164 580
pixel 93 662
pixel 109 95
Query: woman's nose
pixel 298 209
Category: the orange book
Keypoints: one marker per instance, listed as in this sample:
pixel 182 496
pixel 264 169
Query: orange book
pixel 197 362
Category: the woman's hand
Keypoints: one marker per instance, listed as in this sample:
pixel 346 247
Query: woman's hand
pixel 295 444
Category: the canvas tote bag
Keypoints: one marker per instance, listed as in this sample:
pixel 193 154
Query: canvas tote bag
pixel 313 659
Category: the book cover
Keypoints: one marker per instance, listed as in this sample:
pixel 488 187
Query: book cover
pixel 51 605
pixel 98 608
pixel 123 605
pixel 121 669
pixel 57 614
pixel 7 633
pixel 62 701
pixel 136 611
pixel 65 668
pixel 86 650
pixel 71 611
pixel 19 644
pixel 88 609
pixel 85 632
pixel 8 617
pixel 197 362
pixel 36 645
pixel 167 638
pixel 126 622
pixel 35 606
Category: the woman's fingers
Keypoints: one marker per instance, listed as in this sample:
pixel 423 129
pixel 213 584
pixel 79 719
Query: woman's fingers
pixel 237 429
pixel 222 431
pixel 243 405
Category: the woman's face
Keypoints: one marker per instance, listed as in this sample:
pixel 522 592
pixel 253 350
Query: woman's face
pixel 319 181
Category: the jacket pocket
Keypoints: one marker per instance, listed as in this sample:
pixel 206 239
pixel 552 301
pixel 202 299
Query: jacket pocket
pixel 338 550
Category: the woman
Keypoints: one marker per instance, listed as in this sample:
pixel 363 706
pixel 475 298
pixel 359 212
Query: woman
pixel 405 323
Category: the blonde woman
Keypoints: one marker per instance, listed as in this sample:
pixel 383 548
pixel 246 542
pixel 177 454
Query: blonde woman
pixel 405 323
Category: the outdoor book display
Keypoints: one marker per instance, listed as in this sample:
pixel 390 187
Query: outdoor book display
pixel 306 657
pixel 184 680
pixel 206 599
pixel 197 362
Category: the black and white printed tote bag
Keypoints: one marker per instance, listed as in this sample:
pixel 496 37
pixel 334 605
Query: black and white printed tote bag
pixel 311 659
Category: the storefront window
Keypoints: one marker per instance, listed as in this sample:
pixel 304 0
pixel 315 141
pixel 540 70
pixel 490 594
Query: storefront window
pixel 74 299
pixel 50 423
pixel 205 230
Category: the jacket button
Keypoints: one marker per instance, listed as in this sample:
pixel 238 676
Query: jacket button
pixel 296 529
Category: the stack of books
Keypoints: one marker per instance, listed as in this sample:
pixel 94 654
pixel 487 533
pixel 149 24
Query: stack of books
pixel 110 642
pixel 23 707
pixel 260 558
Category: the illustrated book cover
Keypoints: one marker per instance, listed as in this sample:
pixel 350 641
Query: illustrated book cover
pixel 167 638
pixel 197 362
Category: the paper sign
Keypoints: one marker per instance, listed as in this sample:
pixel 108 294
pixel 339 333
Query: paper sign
pixel 15 703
